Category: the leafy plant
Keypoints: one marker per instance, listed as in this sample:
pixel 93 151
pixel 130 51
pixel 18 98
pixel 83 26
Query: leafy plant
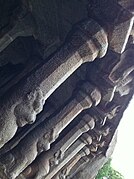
pixel 108 172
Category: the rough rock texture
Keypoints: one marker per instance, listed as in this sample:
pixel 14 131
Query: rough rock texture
pixel 118 22
pixel 59 113
pixel 30 94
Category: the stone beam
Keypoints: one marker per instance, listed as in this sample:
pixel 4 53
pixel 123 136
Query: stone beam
pixel 24 101
pixel 49 163
pixel 70 153
pixel 64 172
pixel 47 132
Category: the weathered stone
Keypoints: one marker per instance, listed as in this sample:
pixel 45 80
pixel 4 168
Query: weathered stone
pixel 108 90
pixel 34 104
pixel 124 67
pixel 26 130
pixel 37 19
pixel 124 90
pixel 125 81
pixel 123 29
pixel 100 78
pixel 41 138
pixel 103 66
pixel 118 22
pixel 51 160
pixel 17 60
pixel 91 167
pixel 64 172
pixel 24 27
pixel 129 5
pixel 55 19
pixel 104 131
pixel 28 97
pixel 124 84
pixel 84 159
pixel 78 134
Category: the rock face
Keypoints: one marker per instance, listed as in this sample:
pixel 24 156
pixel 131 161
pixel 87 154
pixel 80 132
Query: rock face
pixel 67 75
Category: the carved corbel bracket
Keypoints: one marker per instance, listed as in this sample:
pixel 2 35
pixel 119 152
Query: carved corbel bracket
pixel 118 25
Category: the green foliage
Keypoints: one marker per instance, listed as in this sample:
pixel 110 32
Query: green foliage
pixel 109 172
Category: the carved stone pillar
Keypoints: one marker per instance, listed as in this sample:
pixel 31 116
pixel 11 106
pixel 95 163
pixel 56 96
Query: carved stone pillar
pixel 49 163
pixel 46 133
pixel 95 149
pixel 27 129
pixel 21 105
pixel 64 172
pixel 56 148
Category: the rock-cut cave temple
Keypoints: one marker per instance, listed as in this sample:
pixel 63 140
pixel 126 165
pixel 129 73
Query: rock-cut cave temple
pixel 66 78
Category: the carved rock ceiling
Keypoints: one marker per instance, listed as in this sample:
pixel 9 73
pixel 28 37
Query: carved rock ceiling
pixel 66 77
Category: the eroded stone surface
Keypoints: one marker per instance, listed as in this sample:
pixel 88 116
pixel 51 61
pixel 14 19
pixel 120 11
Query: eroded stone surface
pixel 75 142
pixel 124 67
pixel 19 115
pixel 64 172
pixel 41 138
pixel 90 169
pixel 76 147
pixel 118 22
pixel 48 77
